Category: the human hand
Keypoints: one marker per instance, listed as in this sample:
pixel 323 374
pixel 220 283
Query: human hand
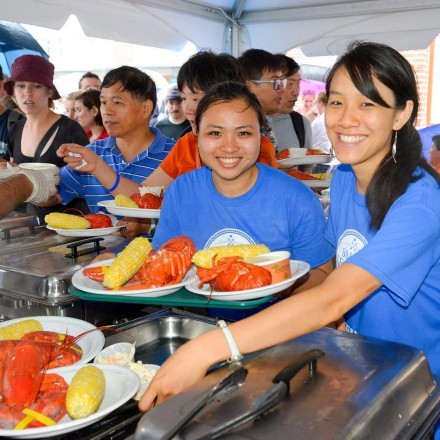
pixel 44 182
pixel 134 226
pixel 176 374
pixel 78 157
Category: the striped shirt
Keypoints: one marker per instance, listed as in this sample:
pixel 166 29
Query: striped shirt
pixel 87 186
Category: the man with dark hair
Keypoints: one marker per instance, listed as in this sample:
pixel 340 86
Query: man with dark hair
pixel 89 80
pixel 292 129
pixel 8 118
pixel 434 153
pixel 132 150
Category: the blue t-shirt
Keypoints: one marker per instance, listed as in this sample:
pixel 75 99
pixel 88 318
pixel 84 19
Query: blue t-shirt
pixel 278 211
pixel 404 254
pixel 86 185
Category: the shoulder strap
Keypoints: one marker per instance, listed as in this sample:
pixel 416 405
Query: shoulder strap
pixel 45 139
pixel 13 117
pixel 298 125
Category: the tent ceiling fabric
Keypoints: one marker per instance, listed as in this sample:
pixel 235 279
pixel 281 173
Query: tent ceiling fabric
pixel 319 27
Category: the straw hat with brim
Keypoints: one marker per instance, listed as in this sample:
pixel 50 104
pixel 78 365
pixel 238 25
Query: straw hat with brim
pixel 32 68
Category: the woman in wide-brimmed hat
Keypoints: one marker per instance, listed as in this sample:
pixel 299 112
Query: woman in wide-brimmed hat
pixel 37 138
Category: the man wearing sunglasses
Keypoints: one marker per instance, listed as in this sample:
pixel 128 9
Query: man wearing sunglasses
pixel 265 78
pixel 292 129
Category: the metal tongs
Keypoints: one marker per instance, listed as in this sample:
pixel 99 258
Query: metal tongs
pixel 154 427
pixel 269 398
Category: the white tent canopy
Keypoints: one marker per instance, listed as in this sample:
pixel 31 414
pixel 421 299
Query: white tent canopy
pixel 319 27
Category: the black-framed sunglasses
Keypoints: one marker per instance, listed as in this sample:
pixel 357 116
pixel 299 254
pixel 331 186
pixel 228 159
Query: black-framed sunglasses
pixel 276 83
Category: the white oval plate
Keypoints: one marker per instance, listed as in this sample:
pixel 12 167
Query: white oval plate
pixel 96 232
pixel 306 160
pixel 84 283
pixel 121 385
pixel 111 207
pixel 91 343
pixel 297 267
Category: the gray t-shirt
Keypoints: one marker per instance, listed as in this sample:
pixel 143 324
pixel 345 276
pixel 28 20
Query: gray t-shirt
pixel 285 132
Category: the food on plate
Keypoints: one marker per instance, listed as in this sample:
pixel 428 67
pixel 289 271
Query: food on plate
pixel 293 152
pixel 125 202
pixel 19 329
pixel 206 257
pixel 85 392
pixel 127 263
pixel 148 268
pixel 99 220
pixel 120 354
pixel 59 220
pixel 300 175
pixel 34 399
pixel 233 274
pixel 149 197
pixel 146 373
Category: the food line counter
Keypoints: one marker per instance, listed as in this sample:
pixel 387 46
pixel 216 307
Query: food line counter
pixel 360 389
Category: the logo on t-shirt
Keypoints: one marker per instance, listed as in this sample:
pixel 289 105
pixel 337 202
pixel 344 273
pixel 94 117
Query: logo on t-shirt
pixel 229 237
pixel 349 243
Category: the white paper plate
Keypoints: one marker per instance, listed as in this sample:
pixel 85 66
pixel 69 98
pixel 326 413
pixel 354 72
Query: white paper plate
pixel 121 385
pixel 84 283
pixel 97 232
pixel 111 207
pixel 297 267
pixel 91 343
pixel 306 160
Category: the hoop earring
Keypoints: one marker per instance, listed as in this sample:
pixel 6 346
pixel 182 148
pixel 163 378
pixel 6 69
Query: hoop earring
pixel 394 148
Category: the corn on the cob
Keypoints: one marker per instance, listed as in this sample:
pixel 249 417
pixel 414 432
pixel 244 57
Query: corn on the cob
pixel 204 257
pixel 85 392
pixel 127 263
pixel 19 329
pixel 60 220
pixel 125 201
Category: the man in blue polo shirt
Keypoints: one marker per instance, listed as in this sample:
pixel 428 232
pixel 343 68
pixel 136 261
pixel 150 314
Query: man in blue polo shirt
pixel 133 148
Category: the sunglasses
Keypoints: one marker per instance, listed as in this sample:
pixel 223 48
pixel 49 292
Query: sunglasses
pixel 277 83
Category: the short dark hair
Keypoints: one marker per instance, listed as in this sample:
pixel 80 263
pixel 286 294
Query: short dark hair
pixel 91 98
pixel 257 61
pixel 226 92
pixel 288 65
pixel 140 86
pixel 206 68
pixel 1 74
pixel 436 141
pixel 88 75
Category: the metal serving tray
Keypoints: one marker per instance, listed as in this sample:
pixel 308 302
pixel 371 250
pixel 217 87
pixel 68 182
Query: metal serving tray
pixel 361 389
pixel 158 335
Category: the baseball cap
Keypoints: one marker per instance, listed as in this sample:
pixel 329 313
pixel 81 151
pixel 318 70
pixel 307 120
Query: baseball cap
pixel 173 93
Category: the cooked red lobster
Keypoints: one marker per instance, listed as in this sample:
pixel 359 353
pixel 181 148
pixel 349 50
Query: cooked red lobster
pixel 233 274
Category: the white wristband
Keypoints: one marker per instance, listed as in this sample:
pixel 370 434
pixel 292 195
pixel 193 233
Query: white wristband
pixel 236 356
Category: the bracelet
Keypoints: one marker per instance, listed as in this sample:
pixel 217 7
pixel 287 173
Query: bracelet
pixel 236 356
pixel 118 178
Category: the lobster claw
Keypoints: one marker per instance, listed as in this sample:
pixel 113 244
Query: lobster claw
pixel 95 273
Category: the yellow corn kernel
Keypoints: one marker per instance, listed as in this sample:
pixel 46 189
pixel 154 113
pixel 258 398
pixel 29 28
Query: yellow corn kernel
pixel 19 329
pixel 59 220
pixel 125 201
pixel 204 257
pixel 127 263
pixel 85 392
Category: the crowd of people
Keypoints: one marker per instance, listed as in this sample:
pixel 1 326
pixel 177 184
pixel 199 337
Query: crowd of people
pixel 374 269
